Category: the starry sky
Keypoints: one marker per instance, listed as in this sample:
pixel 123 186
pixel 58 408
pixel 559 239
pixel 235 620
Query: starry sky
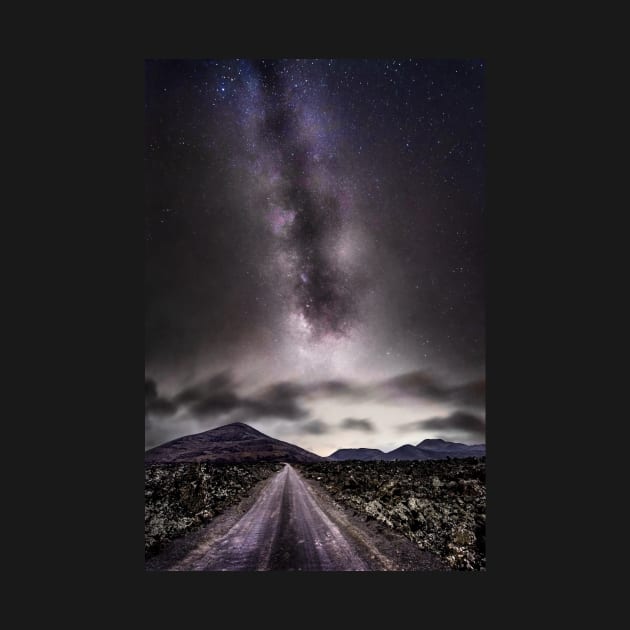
pixel 314 249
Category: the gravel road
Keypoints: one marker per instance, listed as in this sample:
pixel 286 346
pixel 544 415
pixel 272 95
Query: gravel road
pixel 290 524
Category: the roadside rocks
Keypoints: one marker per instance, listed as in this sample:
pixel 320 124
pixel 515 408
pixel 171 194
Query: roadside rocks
pixel 438 504
pixel 180 497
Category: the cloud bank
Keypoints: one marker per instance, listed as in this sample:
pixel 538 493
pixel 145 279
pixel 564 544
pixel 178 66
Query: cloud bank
pixel 219 400
pixel 357 424
pixel 457 422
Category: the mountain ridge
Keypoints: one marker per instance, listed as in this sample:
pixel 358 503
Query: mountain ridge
pixel 435 448
pixel 238 442
pixel 229 443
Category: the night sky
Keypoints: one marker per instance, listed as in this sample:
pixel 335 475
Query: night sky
pixel 314 249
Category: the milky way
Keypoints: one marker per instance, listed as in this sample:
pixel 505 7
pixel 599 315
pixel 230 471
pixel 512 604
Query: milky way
pixel 303 209
pixel 313 221
pixel 305 201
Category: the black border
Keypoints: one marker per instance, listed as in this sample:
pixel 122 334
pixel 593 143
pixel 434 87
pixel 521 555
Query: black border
pixel 108 534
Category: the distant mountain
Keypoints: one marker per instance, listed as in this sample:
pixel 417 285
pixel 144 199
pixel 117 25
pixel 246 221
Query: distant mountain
pixel 408 453
pixel 438 444
pixel 231 443
pixel 365 454
pixel 427 449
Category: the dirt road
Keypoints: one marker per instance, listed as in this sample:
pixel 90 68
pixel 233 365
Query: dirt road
pixel 290 525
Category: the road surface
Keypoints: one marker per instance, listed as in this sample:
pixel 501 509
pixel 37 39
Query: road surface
pixel 290 526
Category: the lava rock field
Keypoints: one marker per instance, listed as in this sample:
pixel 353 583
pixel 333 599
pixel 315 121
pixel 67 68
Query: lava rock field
pixel 438 504
pixel 180 497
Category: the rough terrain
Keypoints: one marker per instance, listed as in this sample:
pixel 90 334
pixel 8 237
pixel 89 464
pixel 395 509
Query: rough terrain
pixel 440 505
pixel 180 497
pixel 290 524
pixel 225 499
pixel 231 443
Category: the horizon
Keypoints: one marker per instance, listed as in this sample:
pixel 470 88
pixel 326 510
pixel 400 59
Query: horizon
pixel 315 250
pixel 304 447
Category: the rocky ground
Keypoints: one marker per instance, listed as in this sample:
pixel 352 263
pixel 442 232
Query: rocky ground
pixel 440 504
pixel 181 497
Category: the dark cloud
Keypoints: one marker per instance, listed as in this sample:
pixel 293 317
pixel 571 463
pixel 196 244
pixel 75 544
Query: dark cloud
pixel 420 384
pixel 337 389
pixel 409 385
pixel 155 404
pixel 470 394
pixel 160 407
pixel 220 383
pixel 279 401
pixel 150 390
pixel 215 404
pixel 283 391
pixel 218 396
pixel 315 427
pixel 416 384
pixel 358 424
pixel 458 421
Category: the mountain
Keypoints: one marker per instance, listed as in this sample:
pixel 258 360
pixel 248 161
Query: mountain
pixel 427 449
pixel 231 443
pixel 365 454
pixel 453 449
pixel 408 453
pixel 438 444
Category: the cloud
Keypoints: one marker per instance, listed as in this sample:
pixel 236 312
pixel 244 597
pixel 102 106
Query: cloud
pixel 424 385
pixel 458 421
pixel 154 404
pixel 160 407
pixel 215 404
pixel 277 401
pixel 218 397
pixel 315 427
pixel 470 394
pixel 357 424
pixel 336 389
pixel 220 383
pixel 150 390
pixel 415 384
